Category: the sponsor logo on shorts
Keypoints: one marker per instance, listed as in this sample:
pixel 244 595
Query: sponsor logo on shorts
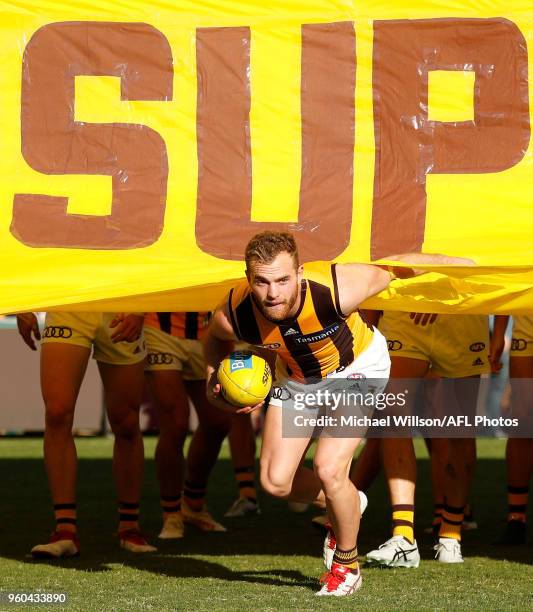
pixel 518 344
pixel 356 376
pixel 280 393
pixel 273 346
pixel 52 331
pixel 476 347
pixel 318 336
pixel 394 345
pixel 160 359
pixel 478 362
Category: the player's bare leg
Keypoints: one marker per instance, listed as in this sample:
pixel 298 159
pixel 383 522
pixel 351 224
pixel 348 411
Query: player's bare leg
pixel 281 474
pixel 213 427
pixel 242 445
pixel 368 465
pixel 457 476
pixel 62 369
pixel 332 461
pixel 438 449
pixel 123 386
pixel 518 455
pixel 172 406
pixel 399 463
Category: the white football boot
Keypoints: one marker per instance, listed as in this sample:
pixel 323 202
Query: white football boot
pixel 395 552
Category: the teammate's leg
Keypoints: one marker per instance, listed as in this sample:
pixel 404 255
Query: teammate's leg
pixel 172 406
pixel 399 463
pixel 213 427
pixel 438 449
pixel 519 454
pixel 62 369
pixel 368 465
pixel 123 386
pixel 242 445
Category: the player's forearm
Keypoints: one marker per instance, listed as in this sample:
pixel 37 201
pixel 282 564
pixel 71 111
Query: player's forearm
pixel 432 259
pixel 500 325
pixel 215 350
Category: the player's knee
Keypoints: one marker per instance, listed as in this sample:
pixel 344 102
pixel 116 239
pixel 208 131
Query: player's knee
pixel 173 434
pixel 59 414
pixel 126 426
pixel 330 475
pixel 275 483
pixel 214 432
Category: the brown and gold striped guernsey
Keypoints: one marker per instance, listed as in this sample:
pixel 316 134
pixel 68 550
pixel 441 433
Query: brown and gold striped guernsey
pixel 187 325
pixel 318 340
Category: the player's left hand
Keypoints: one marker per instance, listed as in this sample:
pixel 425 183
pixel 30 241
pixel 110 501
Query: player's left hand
pixel 423 318
pixel 128 327
pixel 28 327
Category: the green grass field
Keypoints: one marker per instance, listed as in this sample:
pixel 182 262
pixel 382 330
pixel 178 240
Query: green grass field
pixel 269 562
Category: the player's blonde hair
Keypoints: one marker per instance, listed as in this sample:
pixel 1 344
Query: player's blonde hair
pixel 266 246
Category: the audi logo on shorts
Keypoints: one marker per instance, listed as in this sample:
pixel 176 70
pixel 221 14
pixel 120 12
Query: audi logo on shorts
pixel 280 393
pixel 517 344
pixel 476 347
pixel 160 358
pixel 394 345
pixel 52 331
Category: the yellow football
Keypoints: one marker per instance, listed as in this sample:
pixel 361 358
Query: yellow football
pixel 245 379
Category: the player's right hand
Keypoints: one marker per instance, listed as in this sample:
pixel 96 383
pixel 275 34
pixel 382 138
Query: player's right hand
pixel 28 327
pixel 423 318
pixel 214 396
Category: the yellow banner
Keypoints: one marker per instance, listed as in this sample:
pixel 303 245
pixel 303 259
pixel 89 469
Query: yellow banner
pixel 143 144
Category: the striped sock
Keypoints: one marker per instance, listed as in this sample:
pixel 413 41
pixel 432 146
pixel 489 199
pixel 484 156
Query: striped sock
pixel 194 495
pixel 403 516
pixel 246 482
pixel 348 558
pixel 170 505
pixel 517 501
pixel 452 519
pixel 65 515
pixel 437 515
pixel 128 516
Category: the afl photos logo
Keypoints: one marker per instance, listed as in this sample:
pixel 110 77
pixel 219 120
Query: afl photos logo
pixel 53 331
pixel 160 358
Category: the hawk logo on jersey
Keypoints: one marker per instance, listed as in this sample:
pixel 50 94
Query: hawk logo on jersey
pixel 394 345
pixel 51 331
pixel 160 358
pixel 476 347
pixel 518 344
